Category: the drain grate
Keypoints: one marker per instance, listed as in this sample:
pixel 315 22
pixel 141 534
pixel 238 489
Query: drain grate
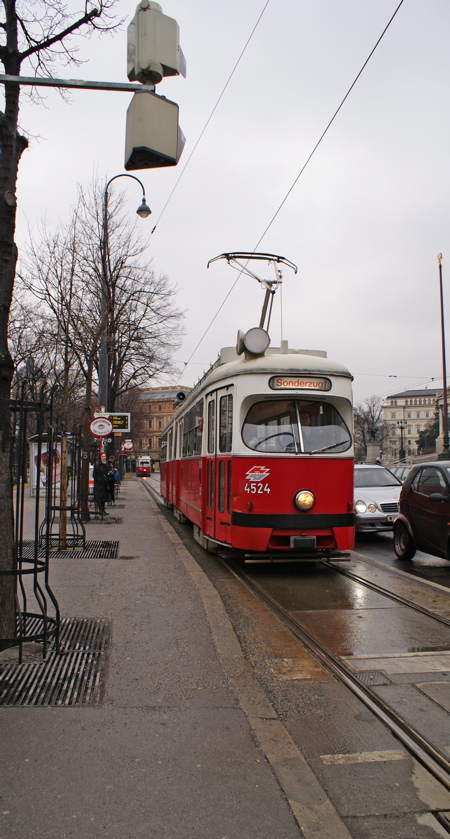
pixel 372 677
pixel 107 520
pixel 74 677
pixel 99 549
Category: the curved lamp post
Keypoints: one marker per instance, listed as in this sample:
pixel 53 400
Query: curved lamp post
pixel 103 361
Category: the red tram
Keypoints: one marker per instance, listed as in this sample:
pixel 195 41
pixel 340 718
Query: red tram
pixel 259 457
pixel 144 467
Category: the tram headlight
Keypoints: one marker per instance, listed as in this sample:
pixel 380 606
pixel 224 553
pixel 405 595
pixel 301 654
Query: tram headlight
pixel 304 499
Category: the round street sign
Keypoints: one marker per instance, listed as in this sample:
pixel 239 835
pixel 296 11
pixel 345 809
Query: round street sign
pixel 127 445
pixel 101 427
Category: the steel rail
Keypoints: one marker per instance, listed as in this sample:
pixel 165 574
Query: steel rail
pixel 420 748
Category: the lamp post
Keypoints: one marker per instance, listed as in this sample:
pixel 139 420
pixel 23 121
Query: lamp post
pixel 401 424
pixel 444 454
pixel 106 304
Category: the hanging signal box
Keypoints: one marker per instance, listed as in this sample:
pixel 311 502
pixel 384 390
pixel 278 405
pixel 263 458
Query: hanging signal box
pixel 153 137
pixel 153 45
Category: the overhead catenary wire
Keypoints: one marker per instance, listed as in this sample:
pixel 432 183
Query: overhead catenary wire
pixel 210 117
pixel 309 158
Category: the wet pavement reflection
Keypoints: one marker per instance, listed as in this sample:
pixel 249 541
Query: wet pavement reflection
pixel 347 617
pixel 380 546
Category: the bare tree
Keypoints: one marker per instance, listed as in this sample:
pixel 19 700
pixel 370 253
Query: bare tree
pixel 41 33
pixel 64 273
pixel 141 318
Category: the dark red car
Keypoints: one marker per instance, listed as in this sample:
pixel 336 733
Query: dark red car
pixel 424 519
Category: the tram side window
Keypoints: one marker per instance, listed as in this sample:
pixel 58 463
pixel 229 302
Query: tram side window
pixel 192 430
pixel 211 425
pixel 221 500
pixel 169 444
pixel 163 451
pixel 295 425
pixel 225 423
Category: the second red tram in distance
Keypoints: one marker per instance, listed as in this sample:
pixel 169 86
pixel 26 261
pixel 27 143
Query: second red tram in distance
pixel 260 455
pixel 144 467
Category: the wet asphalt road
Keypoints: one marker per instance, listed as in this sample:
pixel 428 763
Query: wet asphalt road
pixel 380 546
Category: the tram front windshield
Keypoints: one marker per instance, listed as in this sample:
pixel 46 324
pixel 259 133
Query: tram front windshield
pixel 296 426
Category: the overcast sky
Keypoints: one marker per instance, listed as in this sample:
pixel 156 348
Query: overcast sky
pixel 364 222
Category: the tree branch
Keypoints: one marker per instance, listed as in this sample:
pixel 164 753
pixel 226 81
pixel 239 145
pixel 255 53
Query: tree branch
pixel 60 37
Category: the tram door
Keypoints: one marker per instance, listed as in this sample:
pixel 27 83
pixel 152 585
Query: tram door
pixel 219 410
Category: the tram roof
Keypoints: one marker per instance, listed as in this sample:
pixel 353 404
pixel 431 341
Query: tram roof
pixel 310 362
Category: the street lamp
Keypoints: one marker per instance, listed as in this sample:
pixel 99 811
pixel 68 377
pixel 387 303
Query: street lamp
pixel 401 424
pixel 444 454
pixel 103 360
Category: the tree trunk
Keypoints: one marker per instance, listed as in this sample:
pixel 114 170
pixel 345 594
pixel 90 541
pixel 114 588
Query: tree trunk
pixel 12 146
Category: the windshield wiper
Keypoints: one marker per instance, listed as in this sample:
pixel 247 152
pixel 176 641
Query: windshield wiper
pixel 326 448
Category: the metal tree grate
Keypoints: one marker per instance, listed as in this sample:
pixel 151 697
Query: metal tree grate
pixel 75 676
pixel 100 549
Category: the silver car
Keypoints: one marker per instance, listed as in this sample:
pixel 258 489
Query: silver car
pixel 400 472
pixel 376 498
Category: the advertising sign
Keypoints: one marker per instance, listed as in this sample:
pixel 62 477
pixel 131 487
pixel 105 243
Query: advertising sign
pixel 40 473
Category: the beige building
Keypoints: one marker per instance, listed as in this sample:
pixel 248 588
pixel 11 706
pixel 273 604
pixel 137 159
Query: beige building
pixel 157 410
pixel 407 413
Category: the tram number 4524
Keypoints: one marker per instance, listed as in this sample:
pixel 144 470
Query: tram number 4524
pixel 256 489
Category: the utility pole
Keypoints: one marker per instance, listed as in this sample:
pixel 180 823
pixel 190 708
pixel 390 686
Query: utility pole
pixel 444 454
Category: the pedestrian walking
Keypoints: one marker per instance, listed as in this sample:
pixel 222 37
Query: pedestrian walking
pixel 101 485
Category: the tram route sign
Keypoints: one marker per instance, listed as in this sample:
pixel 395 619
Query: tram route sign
pixel 101 426
pixel 299 383
pixel 120 422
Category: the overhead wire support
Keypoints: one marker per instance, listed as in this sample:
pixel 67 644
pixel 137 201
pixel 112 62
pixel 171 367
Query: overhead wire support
pixel 270 286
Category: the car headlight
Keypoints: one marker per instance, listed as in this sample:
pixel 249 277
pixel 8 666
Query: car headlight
pixel 304 499
pixel 362 507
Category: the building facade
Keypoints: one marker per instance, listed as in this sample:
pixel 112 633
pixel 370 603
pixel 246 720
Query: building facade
pixel 407 414
pixel 157 409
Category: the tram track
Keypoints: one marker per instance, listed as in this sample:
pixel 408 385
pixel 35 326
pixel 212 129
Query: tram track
pixel 414 742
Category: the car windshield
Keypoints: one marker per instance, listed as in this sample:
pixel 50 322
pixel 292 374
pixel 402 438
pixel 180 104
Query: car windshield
pixel 378 477
pixel 296 426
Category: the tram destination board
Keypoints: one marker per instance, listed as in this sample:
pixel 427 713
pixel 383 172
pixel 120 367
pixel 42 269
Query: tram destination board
pixel 120 422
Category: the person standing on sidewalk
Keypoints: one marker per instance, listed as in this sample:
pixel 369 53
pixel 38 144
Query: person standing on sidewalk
pixel 101 484
pixel 113 477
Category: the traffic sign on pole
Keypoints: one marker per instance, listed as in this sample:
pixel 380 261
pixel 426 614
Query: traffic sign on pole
pixel 101 427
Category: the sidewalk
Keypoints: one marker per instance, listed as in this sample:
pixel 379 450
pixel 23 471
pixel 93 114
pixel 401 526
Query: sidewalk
pixel 185 743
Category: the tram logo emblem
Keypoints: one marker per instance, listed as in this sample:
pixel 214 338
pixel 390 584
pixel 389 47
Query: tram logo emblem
pixel 257 473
